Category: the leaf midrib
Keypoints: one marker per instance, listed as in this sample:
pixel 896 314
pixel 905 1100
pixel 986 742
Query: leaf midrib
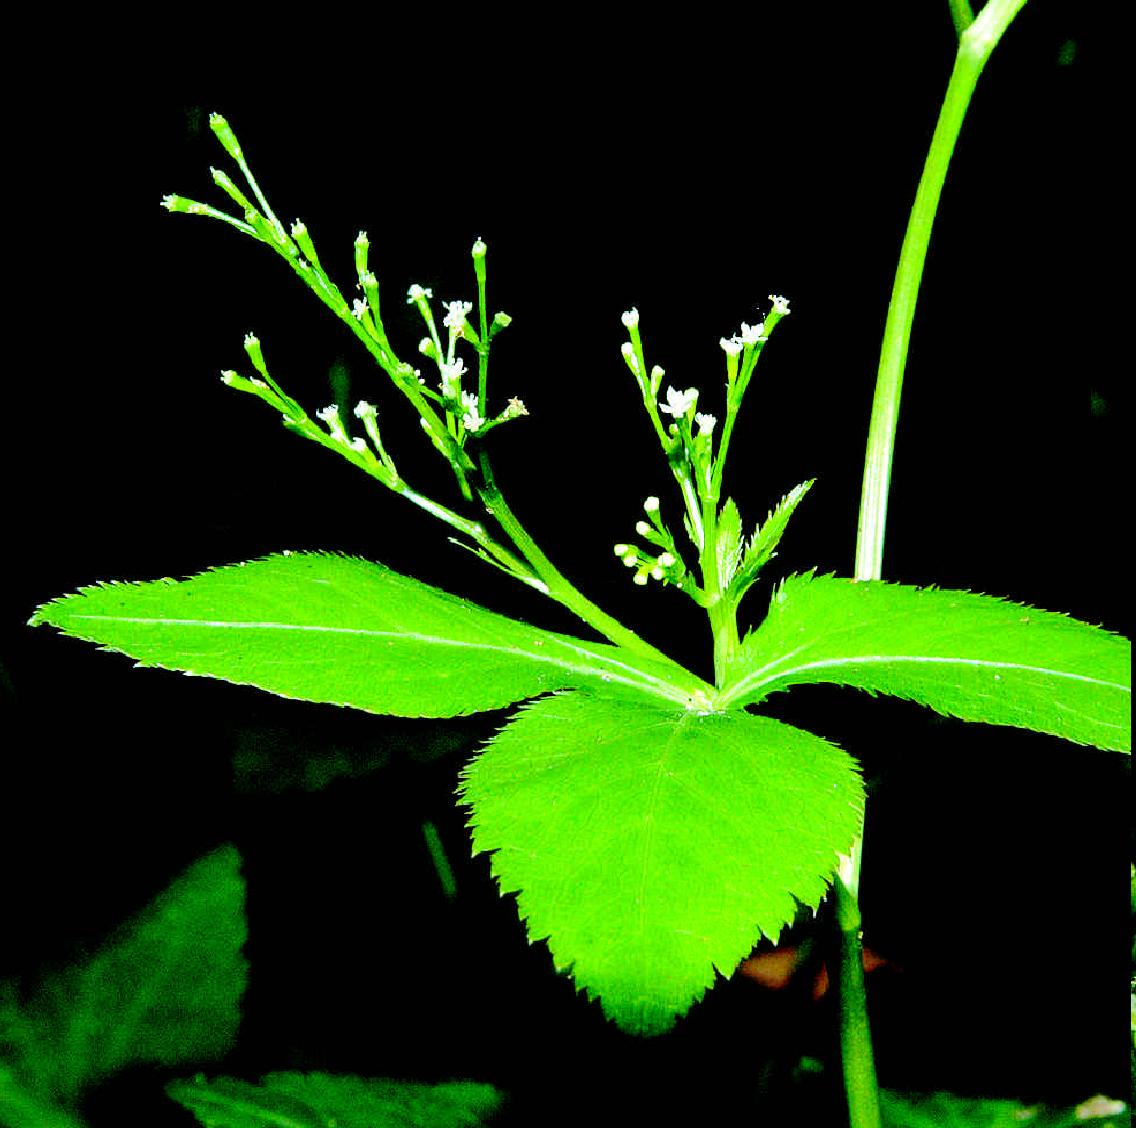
pixel 774 671
pixel 634 676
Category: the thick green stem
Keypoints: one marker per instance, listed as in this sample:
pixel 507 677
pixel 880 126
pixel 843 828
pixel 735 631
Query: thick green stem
pixel 977 40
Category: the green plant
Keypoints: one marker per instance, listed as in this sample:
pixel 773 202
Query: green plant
pixel 632 747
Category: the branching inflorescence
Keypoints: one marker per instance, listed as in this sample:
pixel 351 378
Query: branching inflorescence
pixel 456 414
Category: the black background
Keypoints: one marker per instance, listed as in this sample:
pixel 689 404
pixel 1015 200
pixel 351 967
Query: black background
pixel 686 168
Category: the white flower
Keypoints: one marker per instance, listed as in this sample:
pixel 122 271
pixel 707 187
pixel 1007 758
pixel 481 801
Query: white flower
pixel 451 377
pixel 679 403
pixel 417 293
pixel 666 559
pixel 358 308
pixel 329 416
pixel 732 346
pixel 455 317
pixel 364 409
pixel 631 318
pixel 628 350
pixel 780 304
pixel 479 248
pixel 753 334
pixel 705 423
pixel 471 420
pixel 651 505
pixel 643 529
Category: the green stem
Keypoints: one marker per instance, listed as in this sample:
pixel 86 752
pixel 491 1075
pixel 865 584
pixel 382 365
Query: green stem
pixel 977 40
pixel 855 1037
pixel 559 588
pixel 961 15
pixel 975 47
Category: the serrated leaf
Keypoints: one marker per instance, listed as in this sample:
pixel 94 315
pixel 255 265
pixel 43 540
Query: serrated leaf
pixel 653 847
pixel 336 629
pixel 763 544
pixel 729 545
pixel 315 1100
pixel 977 657
pixel 166 989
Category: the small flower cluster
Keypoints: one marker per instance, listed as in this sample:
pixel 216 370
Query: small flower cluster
pixel 334 432
pixel 465 409
pixel 743 348
pixel 632 350
pixel 688 440
pixel 667 565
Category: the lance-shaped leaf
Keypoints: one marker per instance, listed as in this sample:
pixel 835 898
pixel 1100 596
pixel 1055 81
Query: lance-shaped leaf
pixel 654 846
pixel 336 629
pixel 762 546
pixel 971 656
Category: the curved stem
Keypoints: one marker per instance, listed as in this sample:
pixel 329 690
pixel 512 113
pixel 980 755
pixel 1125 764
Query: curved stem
pixel 977 40
pixel 975 46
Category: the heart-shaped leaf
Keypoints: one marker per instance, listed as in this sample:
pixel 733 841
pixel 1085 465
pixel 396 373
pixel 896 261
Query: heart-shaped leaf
pixel 654 846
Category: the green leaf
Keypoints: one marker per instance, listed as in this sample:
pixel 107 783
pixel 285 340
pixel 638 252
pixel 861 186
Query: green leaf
pixel 948 1110
pixel 971 656
pixel 315 1100
pixel 729 545
pixel 165 990
pixel 655 846
pixel 20 1108
pixel 336 629
pixel 763 544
